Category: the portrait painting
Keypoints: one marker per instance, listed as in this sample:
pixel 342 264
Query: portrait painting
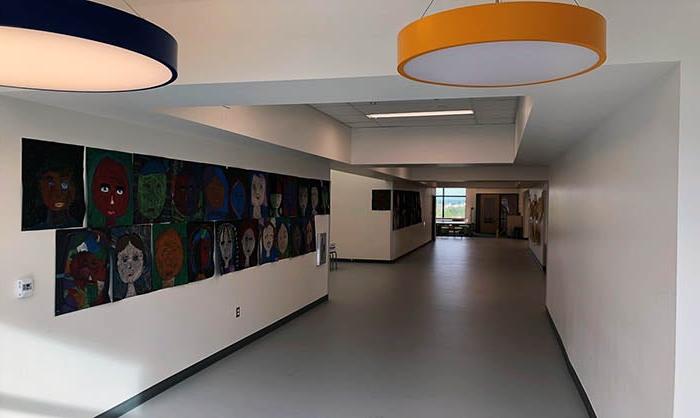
pixel 200 250
pixel 52 185
pixel 186 191
pixel 290 198
pixel 226 246
pixel 82 269
pixel 247 244
pixel 275 193
pixel 216 193
pixel 132 261
pixel 170 255
pixel 314 197
pixel 297 237
pixel 109 176
pixel 303 198
pixel 268 238
pixel 258 195
pixel 152 189
pixel 282 242
pixel 325 201
pixel 239 193
pixel 309 234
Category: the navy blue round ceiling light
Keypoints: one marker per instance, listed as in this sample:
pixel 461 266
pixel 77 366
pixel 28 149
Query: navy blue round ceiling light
pixel 82 46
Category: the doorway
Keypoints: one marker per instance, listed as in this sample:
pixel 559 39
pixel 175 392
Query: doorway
pixel 493 210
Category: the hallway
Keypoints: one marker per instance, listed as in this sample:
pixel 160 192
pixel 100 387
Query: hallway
pixel 455 329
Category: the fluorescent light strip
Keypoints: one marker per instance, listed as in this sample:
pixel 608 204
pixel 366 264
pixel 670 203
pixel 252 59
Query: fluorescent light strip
pixel 420 114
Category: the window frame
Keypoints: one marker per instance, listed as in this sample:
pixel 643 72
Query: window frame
pixel 440 201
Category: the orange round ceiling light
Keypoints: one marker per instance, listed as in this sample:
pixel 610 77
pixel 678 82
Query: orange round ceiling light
pixel 503 44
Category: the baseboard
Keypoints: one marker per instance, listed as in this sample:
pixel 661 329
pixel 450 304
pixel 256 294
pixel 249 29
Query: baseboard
pixel 574 376
pixel 173 380
pixel 537 260
pixel 362 260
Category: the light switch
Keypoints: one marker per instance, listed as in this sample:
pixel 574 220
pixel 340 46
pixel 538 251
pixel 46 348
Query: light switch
pixel 25 288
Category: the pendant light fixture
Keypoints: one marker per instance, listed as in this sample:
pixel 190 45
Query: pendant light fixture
pixel 503 44
pixel 82 46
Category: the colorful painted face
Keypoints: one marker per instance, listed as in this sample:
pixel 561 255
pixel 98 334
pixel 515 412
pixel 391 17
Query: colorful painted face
pixel 303 199
pixel 110 188
pixel 282 238
pixel 203 251
pixel 296 239
pixel 57 190
pixel 314 198
pixel 309 236
pixel 86 267
pixel 185 193
pixel 257 191
pixel 238 199
pixel 226 244
pixel 248 242
pixel 268 238
pixel 130 262
pixel 170 254
pixel 152 191
pixel 215 193
pixel 276 200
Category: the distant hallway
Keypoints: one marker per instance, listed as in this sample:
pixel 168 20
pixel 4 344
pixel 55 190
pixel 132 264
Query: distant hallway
pixel 455 329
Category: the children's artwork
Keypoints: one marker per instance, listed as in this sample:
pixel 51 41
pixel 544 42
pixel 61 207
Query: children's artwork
pixel 200 250
pixel 325 202
pixel 275 188
pixel 290 198
pixel 82 269
pixel 309 233
pixel 239 195
pixel 109 176
pixel 247 244
pixel 226 246
pixel 303 198
pixel 216 193
pixel 314 197
pixel 131 252
pixel 258 195
pixel 152 189
pixel 268 236
pixel 186 191
pixel 406 210
pixel 322 249
pixel 52 185
pixel 282 244
pixel 297 246
pixel 170 257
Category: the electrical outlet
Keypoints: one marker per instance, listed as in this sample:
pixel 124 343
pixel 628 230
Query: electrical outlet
pixel 238 311
pixel 25 288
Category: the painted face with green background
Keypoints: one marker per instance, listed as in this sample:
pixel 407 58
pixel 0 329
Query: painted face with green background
pixel 152 192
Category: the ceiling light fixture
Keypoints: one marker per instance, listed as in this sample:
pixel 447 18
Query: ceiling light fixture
pixel 420 114
pixel 82 46
pixel 503 44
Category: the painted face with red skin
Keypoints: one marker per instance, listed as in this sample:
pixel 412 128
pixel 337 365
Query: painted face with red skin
pixel 87 268
pixel 110 189
pixel 57 190
pixel 185 193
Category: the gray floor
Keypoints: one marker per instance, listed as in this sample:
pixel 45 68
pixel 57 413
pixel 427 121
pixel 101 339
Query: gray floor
pixel 456 329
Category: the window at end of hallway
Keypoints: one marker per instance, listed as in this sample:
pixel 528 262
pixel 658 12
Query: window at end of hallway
pixel 451 203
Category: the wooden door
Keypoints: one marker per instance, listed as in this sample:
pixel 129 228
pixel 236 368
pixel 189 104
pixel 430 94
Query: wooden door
pixel 488 213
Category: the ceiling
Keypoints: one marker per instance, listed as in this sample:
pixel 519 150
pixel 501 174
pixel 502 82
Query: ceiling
pixel 487 111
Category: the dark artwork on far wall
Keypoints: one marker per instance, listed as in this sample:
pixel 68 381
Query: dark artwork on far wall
pixel 216 193
pixel 290 199
pixel 282 242
pixel 407 209
pixel 152 189
pixel 239 196
pixel 315 197
pixel 247 244
pixel 132 261
pixel 200 250
pixel 258 195
pixel 82 269
pixel 52 185
pixel 297 238
pixel 308 229
pixel 170 257
pixel 109 177
pixel 226 246
pixel 303 198
pixel 186 191
pixel 268 238
pixel 275 193
pixel 325 201
pixel 381 199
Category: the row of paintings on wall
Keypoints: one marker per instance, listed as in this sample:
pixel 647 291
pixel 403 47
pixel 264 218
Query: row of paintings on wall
pixel 98 266
pixel 407 209
pixel 125 189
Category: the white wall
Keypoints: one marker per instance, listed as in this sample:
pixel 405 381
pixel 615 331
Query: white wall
pixel 83 363
pixel 357 230
pixel 612 255
pixel 434 145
